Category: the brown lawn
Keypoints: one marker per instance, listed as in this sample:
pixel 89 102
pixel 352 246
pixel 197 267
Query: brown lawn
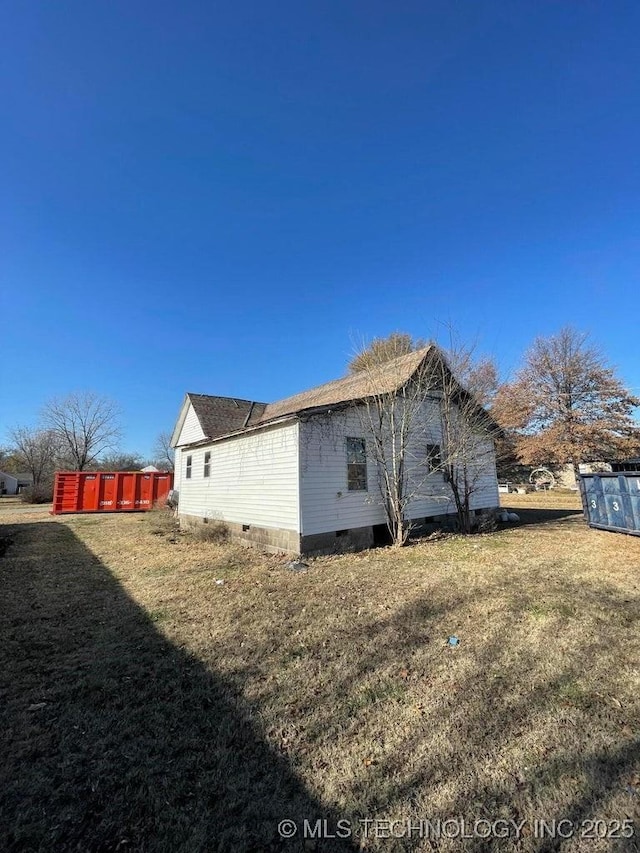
pixel 146 707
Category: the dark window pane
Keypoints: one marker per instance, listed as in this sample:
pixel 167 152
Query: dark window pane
pixel 434 458
pixel 357 478
pixel 356 450
pixel 356 465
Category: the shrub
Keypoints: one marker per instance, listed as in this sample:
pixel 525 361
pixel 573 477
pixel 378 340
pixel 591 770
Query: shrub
pixel 42 494
pixel 486 522
pixel 162 521
pixel 216 531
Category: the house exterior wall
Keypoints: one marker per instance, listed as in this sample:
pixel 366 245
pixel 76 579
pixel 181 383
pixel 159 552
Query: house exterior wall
pixel 253 480
pixel 191 430
pixel 285 487
pixel 8 484
pixel 327 505
pixel 177 468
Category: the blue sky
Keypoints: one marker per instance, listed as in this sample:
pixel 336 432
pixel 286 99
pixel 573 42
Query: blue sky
pixel 224 197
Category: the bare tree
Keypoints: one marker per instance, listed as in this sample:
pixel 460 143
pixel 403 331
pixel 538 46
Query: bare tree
pixel 381 350
pixel 566 405
pixel 163 452
pixel 390 412
pixel 85 424
pixel 469 433
pixel 120 461
pixel 9 460
pixel 420 421
pixel 36 451
pixel 479 375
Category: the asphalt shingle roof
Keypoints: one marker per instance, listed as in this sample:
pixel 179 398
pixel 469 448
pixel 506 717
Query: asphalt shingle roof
pixel 357 386
pixel 222 415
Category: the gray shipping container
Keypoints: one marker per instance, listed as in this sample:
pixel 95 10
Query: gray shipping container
pixel 612 501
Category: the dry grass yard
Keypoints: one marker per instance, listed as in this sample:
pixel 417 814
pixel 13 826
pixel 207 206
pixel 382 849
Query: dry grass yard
pixel 144 706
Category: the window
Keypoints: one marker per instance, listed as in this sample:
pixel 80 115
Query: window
pixel 434 458
pixel 188 472
pixel 356 465
pixel 207 463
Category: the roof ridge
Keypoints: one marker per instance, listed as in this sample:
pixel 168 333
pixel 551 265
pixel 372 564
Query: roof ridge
pixel 360 373
pixel 359 384
pixel 224 397
pixel 219 416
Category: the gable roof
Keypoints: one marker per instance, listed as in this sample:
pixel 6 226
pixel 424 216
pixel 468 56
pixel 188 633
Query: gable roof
pixel 388 377
pixel 217 416
pixel 221 416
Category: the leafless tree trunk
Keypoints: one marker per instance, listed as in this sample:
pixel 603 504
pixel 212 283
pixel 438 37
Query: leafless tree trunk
pixel 390 416
pixel 468 432
pixel 405 418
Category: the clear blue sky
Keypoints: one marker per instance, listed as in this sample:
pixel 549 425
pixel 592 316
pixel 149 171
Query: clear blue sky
pixel 220 197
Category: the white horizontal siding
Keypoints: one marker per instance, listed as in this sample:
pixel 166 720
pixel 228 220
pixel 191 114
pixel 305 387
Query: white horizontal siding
pixel 177 469
pixel 191 430
pixel 482 479
pixel 10 484
pixel 326 504
pixel 486 494
pixel 253 480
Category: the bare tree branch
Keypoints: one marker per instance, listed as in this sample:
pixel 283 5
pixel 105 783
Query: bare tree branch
pixel 163 452
pixel 429 425
pixel 36 451
pixel 381 350
pixel 86 425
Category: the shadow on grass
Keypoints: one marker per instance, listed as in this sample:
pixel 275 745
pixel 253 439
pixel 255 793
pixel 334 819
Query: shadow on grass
pixel 458 754
pixel 545 516
pixel 140 746
pixel 603 770
pixel 112 738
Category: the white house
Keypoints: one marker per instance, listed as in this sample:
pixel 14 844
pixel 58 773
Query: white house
pixel 298 475
pixel 8 484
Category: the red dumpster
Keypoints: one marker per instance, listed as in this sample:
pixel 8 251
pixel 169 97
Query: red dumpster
pixel 109 491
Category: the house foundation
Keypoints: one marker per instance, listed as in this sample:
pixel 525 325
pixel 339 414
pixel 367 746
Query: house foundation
pixel 275 540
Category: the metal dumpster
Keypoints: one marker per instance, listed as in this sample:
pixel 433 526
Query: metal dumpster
pixel 611 501
pixel 109 491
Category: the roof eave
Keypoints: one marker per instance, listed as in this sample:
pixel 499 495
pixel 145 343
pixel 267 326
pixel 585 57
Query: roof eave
pixel 237 433
pixel 180 422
